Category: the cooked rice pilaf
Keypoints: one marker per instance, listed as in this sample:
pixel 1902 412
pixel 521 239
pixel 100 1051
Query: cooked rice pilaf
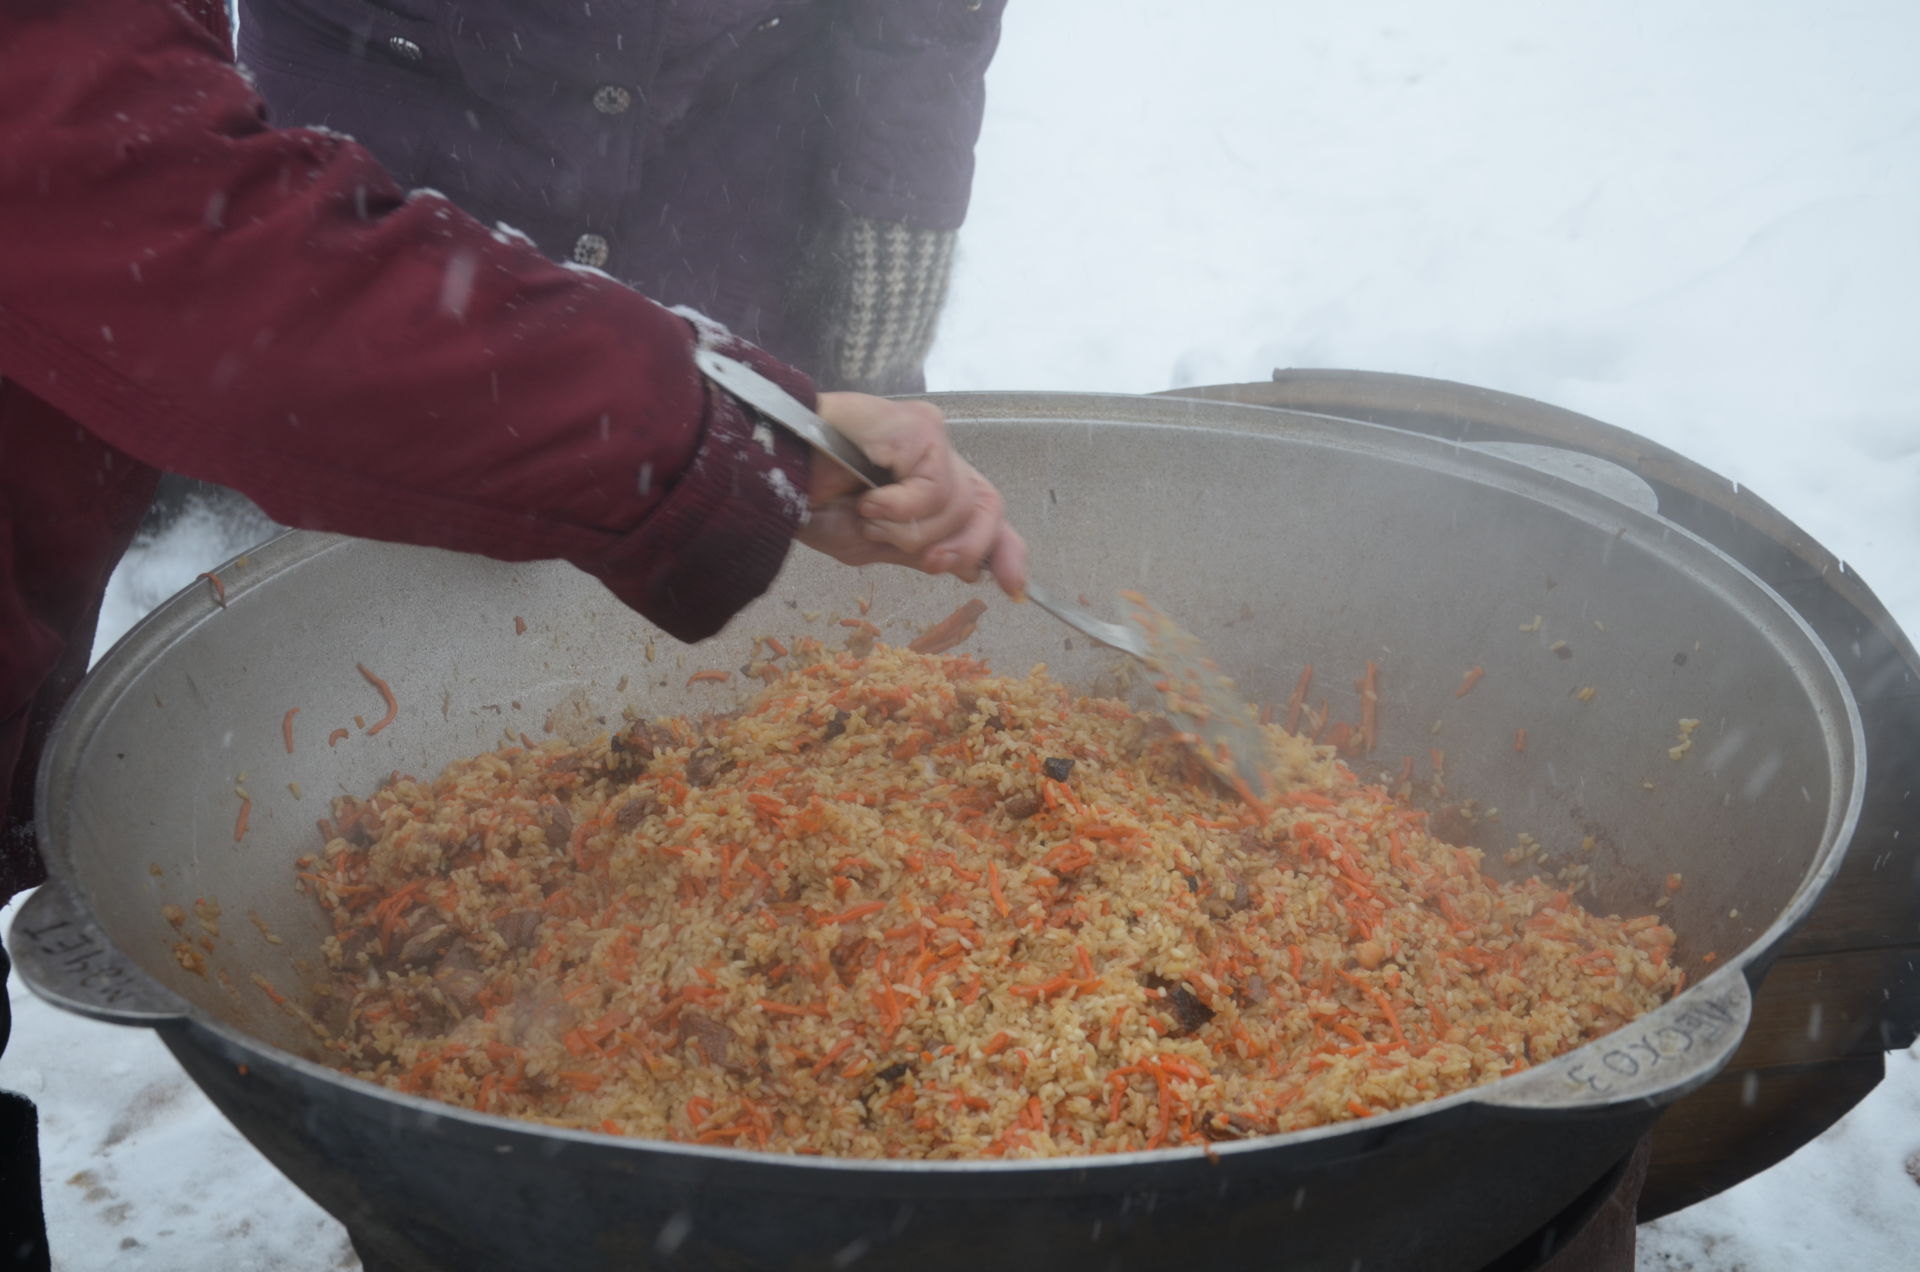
pixel 899 906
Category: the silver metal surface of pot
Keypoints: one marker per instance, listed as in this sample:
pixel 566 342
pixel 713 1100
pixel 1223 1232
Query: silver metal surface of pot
pixel 1282 539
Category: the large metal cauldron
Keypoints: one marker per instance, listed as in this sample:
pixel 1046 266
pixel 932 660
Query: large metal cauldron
pixel 1283 539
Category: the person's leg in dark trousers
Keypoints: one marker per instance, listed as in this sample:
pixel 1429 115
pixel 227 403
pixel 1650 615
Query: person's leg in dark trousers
pixel 23 1225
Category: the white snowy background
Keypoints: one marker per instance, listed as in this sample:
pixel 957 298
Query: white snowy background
pixel 1698 220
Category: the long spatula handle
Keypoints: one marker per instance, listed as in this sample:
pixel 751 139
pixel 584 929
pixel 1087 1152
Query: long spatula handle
pixel 774 402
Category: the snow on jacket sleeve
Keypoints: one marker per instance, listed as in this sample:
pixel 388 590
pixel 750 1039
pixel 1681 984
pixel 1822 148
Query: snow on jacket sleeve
pixel 907 97
pixel 265 309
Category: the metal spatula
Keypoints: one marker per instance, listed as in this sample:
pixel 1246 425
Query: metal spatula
pixel 1215 722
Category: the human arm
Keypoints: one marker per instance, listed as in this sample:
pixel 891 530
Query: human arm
pixel 265 309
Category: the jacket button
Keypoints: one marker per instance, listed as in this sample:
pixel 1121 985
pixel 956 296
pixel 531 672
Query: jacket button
pixel 404 49
pixel 591 249
pixel 611 99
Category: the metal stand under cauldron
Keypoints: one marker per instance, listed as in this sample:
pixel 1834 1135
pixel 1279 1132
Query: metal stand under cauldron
pixel 1593 1234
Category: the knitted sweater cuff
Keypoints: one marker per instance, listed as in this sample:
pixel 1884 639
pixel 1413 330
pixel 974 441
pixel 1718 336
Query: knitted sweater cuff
pixel 875 289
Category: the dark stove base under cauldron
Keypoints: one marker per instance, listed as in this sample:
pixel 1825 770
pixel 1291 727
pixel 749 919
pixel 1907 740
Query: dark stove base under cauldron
pixel 1594 1234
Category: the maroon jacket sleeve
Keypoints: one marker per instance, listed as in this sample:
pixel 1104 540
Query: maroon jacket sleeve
pixel 265 309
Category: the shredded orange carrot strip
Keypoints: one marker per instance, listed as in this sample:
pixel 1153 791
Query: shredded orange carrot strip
pixel 1393 1018
pixel 1468 681
pixel 286 727
pixel 993 890
pixel 834 1052
pixel 781 1009
pixel 857 912
pixel 333 739
pixel 386 694
pixel 1299 699
pixel 1369 708
pixel 951 630
pixel 219 588
pixel 240 822
pixel 709 677
pixel 1519 739
pixel 519 625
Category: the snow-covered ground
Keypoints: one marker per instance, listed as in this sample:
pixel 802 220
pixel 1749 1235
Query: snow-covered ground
pixel 1697 221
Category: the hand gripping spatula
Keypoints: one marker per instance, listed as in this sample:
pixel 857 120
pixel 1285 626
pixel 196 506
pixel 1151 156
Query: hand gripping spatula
pixel 1200 700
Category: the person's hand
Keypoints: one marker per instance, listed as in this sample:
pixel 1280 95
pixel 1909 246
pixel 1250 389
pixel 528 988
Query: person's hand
pixel 938 515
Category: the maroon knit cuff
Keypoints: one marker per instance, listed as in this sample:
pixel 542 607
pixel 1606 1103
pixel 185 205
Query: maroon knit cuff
pixel 720 535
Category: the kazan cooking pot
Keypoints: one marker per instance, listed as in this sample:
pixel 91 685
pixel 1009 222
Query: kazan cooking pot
pixel 1282 539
